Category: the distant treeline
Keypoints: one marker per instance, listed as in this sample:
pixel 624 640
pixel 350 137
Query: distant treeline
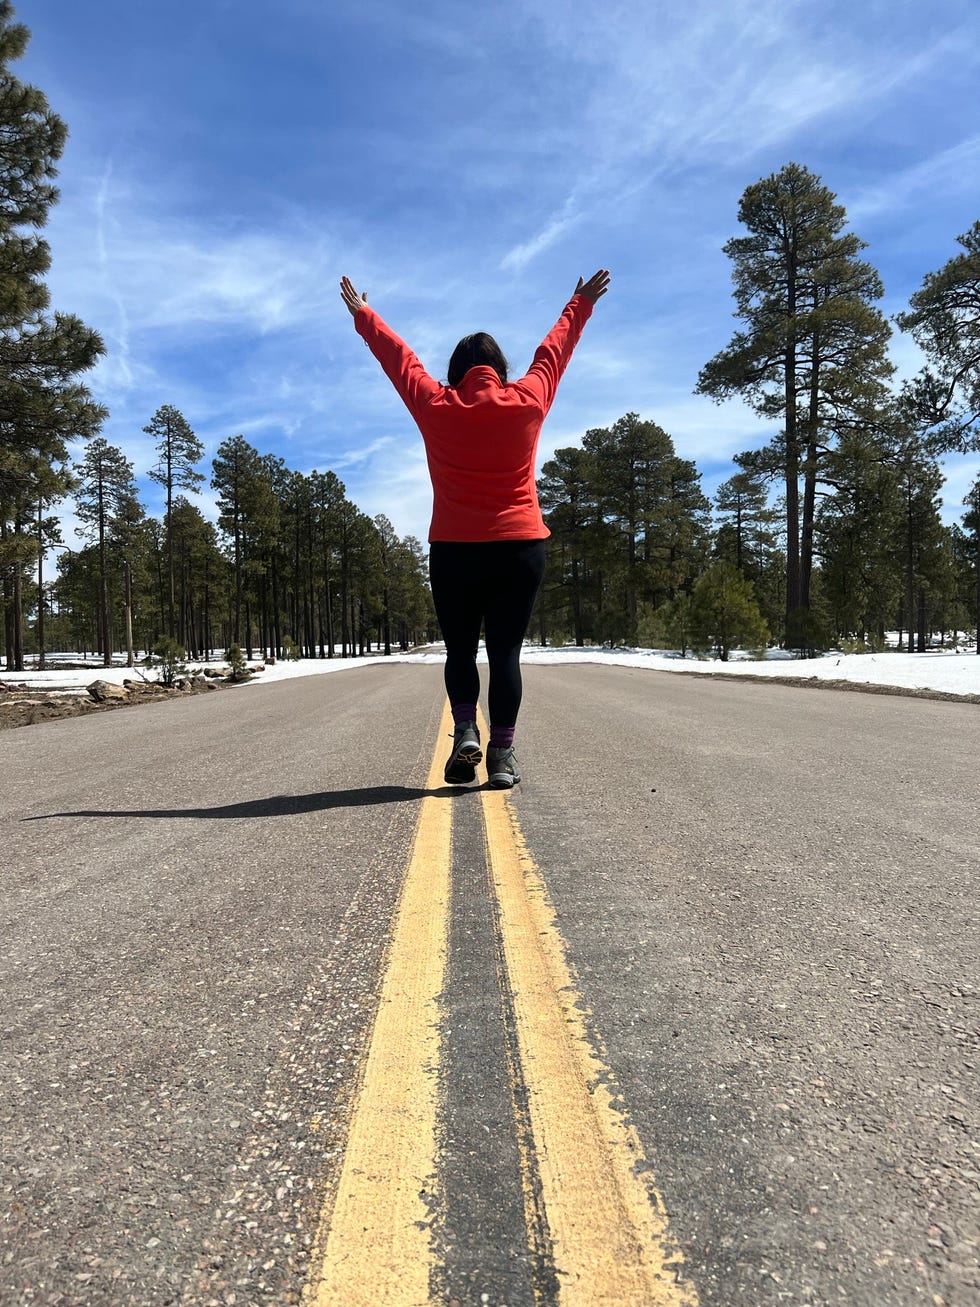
pixel 293 569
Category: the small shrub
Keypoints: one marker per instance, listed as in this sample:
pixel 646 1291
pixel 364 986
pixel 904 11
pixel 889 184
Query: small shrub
pixel 855 645
pixel 290 649
pixel 168 660
pixel 852 644
pixel 236 661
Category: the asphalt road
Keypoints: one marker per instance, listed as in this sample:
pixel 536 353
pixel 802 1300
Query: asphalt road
pixel 767 895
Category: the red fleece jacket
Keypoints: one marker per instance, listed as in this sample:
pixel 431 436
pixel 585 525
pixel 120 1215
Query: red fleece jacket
pixel 481 437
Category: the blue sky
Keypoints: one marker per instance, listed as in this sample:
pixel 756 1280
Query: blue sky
pixel 229 160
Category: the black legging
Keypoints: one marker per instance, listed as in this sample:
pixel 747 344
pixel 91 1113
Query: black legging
pixel 490 583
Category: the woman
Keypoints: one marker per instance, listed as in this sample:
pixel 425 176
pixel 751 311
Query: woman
pixel 487 535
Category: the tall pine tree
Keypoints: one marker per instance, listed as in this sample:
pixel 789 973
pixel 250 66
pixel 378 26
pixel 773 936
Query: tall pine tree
pixel 179 452
pixel 107 486
pixel 813 352
pixel 42 404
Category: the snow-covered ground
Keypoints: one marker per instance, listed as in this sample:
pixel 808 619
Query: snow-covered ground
pixel 952 673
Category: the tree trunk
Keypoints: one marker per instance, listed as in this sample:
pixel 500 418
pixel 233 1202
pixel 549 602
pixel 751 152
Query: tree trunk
pixel 810 481
pixel 171 616
pixel 207 609
pixel 329 620
pixel 17 619
pixel 41 653
pixel 921 624
pixel 128 580
pixel 577 605
pixel 276 623
pixel 909 584
pixel 238 576
pixel 794 634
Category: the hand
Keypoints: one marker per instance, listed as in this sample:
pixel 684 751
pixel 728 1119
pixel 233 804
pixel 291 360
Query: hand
pixel 596 286
pixel 351 298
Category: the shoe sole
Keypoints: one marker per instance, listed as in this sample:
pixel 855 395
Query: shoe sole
pixel 503 781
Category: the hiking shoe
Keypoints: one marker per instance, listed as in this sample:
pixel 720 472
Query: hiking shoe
pixel 461 767
pixel 502 769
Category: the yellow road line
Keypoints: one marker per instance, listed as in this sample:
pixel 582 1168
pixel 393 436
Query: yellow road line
pixel 608 1223
pixel 375 1243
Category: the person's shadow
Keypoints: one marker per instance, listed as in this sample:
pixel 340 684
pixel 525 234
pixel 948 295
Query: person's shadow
pixel 280 805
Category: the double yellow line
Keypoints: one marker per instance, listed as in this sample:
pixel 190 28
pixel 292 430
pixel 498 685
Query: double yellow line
pixel 606 1221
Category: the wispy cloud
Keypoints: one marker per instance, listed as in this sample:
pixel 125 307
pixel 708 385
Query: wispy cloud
pixel 138 266
pixel 953 169
pixel 521 255
pixel 657 99
pixel 362 453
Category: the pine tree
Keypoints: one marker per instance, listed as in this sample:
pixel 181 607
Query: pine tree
pixel 200 569
pixel 724 614
pixel 327 497
pixel 921 533
pixel 51 483
pixel 131 548
pixel 391 582
pixel 746 537
pixel 814 350
pixel 418 616
pixel 106 485
pixel 944 319
pixel 858 539
pixel 42 404
pixel 658 520
pixel 180 451
pixel 247 509
pixel 681 533
pixel 971 523
pixel 742 506
pixel 632 462
pixel 572 588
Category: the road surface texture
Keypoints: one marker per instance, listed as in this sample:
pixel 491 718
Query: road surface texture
pixel 690 1018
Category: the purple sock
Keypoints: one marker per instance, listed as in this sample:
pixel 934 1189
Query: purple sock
pixel 463 712
pixel 502 737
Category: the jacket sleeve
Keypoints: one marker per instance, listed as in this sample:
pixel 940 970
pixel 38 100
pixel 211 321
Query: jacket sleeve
pixel 552 355
pixel 399 363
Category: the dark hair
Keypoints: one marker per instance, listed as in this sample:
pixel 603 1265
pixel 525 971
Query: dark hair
pixel 474 351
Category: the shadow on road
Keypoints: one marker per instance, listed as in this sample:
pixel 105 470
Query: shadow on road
pixel 278 805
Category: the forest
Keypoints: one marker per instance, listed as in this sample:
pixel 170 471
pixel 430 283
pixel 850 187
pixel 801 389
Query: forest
pixel 831 535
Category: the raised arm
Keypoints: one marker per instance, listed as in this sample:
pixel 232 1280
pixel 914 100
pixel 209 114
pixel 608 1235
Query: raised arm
pixel 398 362
pixel 552 355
